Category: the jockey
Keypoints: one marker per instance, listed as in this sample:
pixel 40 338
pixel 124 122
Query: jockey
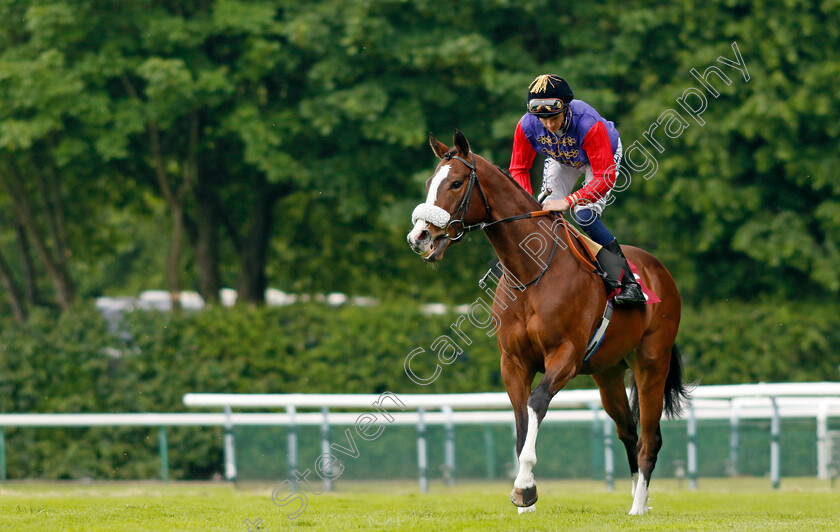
pixel 575 141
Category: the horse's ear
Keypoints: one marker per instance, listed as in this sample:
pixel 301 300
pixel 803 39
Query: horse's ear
pixel 461 144
pixel 438 147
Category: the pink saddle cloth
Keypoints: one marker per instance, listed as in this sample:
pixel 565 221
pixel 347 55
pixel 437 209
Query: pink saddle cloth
pixel 650 296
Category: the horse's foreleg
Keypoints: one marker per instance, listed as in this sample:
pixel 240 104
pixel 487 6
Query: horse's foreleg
pixel 517 381
pixel 524 492
pixel 614 400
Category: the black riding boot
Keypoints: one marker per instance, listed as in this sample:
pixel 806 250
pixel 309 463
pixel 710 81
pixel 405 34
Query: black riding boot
pixel 631 291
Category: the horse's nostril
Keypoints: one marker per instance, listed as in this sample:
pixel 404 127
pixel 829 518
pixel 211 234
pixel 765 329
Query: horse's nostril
pixel 424 235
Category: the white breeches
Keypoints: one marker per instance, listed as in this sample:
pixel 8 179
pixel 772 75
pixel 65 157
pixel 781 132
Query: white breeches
pixel 561 179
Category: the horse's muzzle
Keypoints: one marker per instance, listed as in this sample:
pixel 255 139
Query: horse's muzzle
pixel 429 247
pixel 419 241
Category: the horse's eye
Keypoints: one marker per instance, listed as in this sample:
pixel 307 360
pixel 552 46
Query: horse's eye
pixel 456 184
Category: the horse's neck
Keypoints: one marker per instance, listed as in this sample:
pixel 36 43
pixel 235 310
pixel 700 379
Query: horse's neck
pixel 524 246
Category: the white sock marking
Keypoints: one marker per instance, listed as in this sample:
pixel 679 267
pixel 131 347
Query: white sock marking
pixel 528 456
pixel 640 500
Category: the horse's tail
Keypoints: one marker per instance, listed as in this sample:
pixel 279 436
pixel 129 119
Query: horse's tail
pixel 676 392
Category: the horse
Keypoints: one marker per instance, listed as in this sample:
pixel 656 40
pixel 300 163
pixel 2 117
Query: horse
pixel 548 305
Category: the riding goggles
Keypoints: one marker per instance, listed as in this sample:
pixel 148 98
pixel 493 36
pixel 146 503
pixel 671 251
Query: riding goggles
pixel 548 107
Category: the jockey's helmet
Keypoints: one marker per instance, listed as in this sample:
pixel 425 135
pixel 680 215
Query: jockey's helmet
pixel 548 95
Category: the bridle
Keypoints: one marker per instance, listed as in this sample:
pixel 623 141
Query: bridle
pixel 459 215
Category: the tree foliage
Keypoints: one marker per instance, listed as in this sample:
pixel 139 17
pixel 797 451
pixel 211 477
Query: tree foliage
pixel 285 142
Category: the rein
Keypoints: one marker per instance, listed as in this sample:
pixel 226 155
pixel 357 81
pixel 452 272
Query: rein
pixel 577 254
pixel 592 266
pixel 525 216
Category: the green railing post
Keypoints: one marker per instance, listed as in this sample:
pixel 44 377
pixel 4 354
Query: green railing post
pixel 164 454
pixel 692 447
pixel 3 455
pixel 489 453
pixel 775 446
pixel 449 447
pixel 230 448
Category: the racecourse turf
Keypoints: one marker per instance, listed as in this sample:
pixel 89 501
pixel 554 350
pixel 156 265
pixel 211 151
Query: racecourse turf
pixel 719 504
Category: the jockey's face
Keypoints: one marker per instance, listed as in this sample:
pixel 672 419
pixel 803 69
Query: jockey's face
pixel 554 123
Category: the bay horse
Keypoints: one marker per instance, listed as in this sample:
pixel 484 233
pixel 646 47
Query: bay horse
pixel 555 309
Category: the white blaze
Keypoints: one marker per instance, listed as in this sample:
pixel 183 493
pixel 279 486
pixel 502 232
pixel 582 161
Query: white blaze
pixel 421 221
pixel 442 174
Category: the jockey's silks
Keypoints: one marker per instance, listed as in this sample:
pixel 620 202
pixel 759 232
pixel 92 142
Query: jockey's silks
pixel 589 139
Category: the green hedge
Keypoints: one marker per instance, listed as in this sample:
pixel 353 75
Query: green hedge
pixel 75 363
pixel 728 343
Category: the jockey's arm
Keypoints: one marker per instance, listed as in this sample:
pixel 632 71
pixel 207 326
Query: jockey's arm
pixel 597 146
pixel 522 159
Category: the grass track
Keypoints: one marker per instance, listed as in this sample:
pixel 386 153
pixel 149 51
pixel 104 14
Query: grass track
pixel 743 504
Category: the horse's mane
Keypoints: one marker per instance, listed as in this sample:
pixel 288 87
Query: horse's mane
pixel 515 183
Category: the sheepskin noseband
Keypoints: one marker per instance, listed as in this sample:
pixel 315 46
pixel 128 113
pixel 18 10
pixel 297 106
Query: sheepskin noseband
pixel 430 213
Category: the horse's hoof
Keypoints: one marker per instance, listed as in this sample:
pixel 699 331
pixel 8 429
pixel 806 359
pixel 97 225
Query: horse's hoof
pixel 527 510
pixel 524 497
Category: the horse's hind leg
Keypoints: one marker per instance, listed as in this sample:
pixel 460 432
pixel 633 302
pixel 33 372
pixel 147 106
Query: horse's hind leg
pixel 651 371
pixel 614 400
